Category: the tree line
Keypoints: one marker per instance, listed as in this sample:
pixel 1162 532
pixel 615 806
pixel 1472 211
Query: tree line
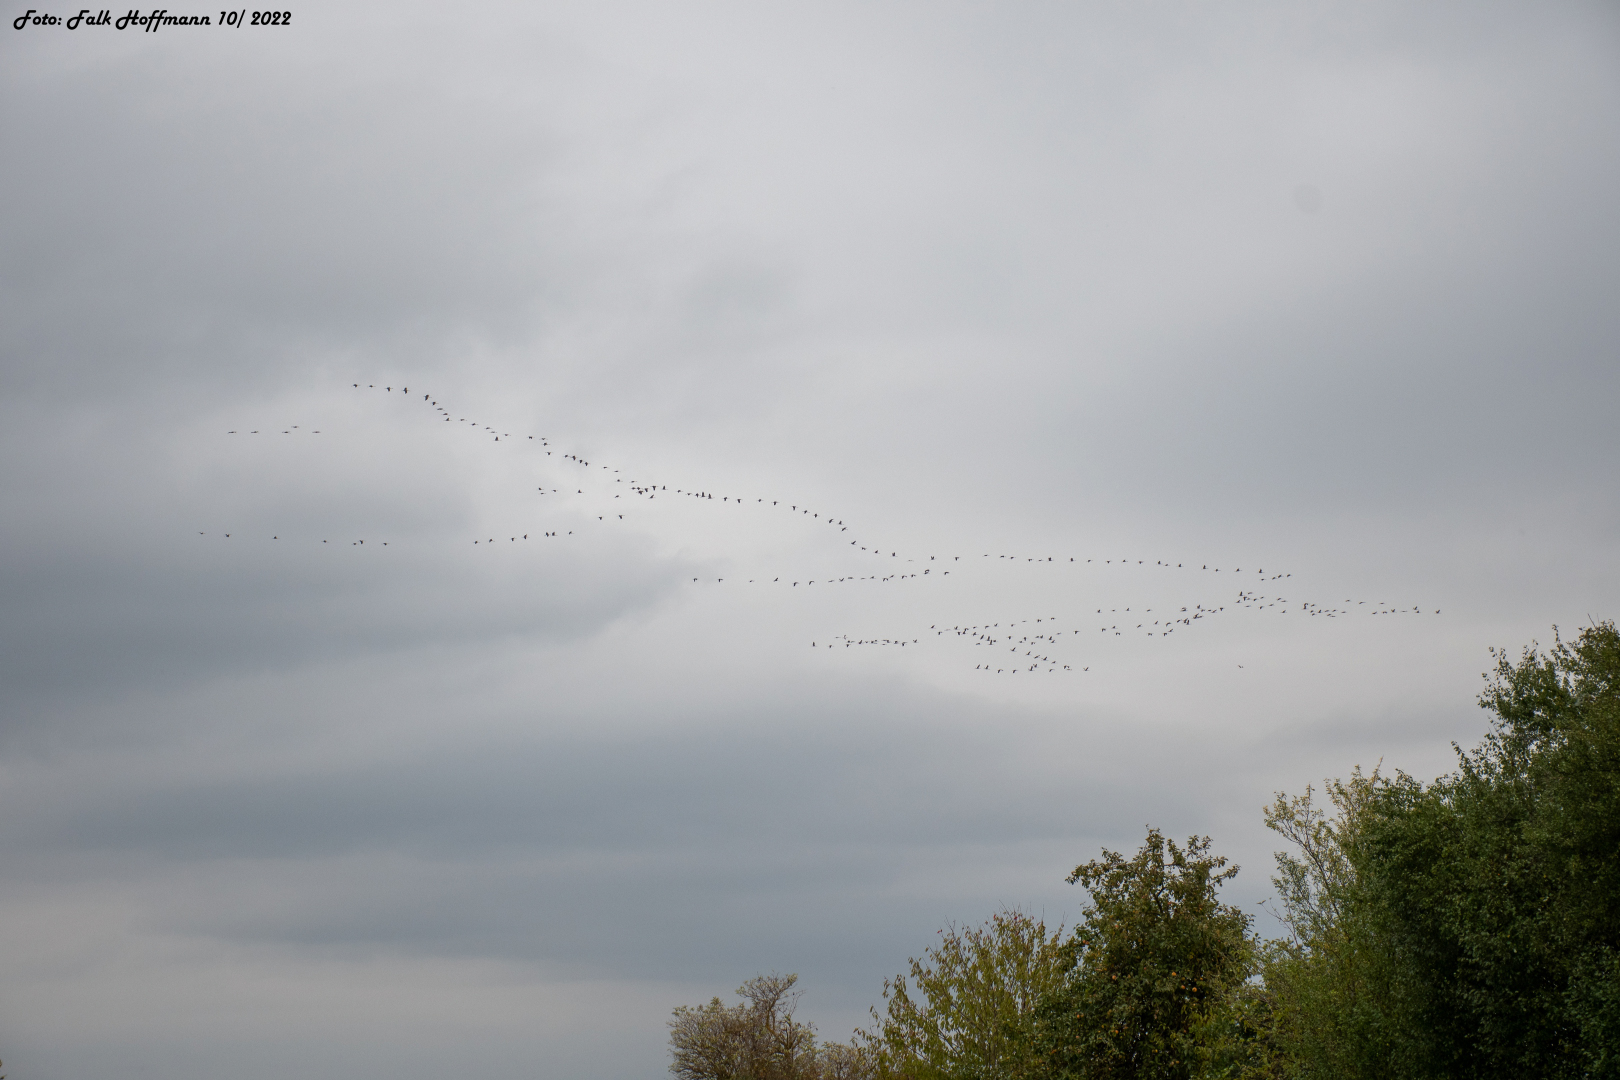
pixel 1463 929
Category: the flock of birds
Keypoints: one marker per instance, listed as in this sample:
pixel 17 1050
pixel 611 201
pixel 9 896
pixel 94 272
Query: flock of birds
pixel 1032 645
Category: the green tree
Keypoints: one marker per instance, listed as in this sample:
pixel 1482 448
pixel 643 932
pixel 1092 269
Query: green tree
pixel 1157 985
pixel 1468 928
pixel 1497 889
pixel 757 1039
pixel 1328 981
pixel 968 1009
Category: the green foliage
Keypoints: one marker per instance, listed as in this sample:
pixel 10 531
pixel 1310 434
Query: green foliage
pixel 1498 888
pixel 1469 928
pixel 1157 989
pixel 968 1010
pixel 1328 981
pixel 757 1040
pixel 1460 930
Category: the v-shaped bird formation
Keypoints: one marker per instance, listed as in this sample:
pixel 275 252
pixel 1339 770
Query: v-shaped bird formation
pixel 1016 646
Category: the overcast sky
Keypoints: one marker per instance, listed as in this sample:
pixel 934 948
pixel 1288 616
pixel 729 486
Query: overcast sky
pixel 1194 295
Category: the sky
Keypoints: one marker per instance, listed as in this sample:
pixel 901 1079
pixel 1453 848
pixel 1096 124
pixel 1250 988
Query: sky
pixel 520 518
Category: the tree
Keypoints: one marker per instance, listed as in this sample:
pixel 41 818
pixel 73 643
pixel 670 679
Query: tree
pixel 968 1011
pixel 1468 928
pixel 1540 913
pixel 1157 986
pixel 1328 982
pixel 1497 889
pixel 757 1039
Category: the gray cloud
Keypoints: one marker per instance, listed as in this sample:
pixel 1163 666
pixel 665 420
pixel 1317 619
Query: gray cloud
pixel 1032 281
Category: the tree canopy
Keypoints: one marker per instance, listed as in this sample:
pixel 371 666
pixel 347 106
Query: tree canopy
pixel 1469 927
pixel 969 1007
pixel 1463 929
pixel 1157 961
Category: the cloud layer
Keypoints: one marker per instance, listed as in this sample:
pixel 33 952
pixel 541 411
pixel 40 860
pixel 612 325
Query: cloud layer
pixel 1323 294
